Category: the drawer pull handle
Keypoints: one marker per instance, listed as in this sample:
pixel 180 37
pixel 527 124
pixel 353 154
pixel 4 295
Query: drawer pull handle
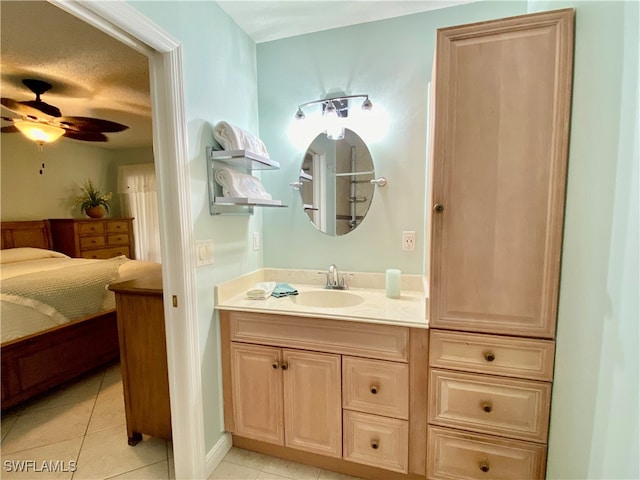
pixel 374 389
pixel 284 366
pixel 489 356
pixel 486 406
pixel 275 365
pixel 484 466
pixel 374 444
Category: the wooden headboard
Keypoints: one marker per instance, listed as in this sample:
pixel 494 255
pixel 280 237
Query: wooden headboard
pixel 30 233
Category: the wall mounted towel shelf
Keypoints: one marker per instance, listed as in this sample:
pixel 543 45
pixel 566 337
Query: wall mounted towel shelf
pixel 244 161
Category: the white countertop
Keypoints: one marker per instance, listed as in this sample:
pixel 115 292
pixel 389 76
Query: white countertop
pixel 410 310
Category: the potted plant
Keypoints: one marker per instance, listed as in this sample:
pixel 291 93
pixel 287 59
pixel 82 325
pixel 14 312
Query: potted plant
pixel 93 203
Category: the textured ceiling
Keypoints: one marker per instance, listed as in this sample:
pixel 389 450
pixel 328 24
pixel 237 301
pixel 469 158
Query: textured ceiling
pixel 92 74
pixel 266 20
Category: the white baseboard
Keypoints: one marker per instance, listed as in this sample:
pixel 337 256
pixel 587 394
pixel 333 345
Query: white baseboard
pixel 217 453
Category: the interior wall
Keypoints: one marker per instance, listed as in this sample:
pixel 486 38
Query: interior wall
pixel 219 67
pixel 594 415
pixel 27 195
pixel 391 61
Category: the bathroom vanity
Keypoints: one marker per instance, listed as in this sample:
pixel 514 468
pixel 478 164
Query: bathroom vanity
pixel 343 388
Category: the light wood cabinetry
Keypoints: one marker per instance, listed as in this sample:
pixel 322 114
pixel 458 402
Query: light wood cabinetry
pixel 498 173
pixel 143 357
pixel 93 238
pixel 327 387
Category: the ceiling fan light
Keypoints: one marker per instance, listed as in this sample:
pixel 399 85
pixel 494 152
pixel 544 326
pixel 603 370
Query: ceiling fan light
pixel 39 132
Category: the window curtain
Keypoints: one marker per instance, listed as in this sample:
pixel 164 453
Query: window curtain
pixel 137 187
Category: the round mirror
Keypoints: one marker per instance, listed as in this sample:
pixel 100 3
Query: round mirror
pixel 335 181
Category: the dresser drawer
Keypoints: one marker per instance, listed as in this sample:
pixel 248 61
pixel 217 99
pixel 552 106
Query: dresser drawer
pixel 454 455
pixel 377 441
pixel 375 386
pixel 358 339
pixel 486 404
pixel 506 356
pixel 104 253
pixel 117 226
pixel 95 241
pixel 91 227
pixel 122 239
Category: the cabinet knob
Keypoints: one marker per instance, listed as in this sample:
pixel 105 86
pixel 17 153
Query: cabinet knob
pixel 438 208
pixel 374 444
pixel 486 406
pixel 374 389
pixel 484 466
pixel 275 365
pixel 489 356
pixel 284 366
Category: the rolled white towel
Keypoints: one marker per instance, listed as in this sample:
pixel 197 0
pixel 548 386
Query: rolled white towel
pixel 231 137
pixel 240 185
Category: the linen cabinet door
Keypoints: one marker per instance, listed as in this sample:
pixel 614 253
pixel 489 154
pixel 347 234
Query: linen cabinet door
pixel 256 379
pixel 502 106
pixel 312 402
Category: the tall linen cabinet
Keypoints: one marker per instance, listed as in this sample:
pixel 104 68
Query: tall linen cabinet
pixel 500 128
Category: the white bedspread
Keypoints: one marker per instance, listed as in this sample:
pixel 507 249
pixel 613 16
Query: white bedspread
pixel 72 283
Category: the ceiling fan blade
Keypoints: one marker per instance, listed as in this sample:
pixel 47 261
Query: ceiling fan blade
pixel 31 109
pixel 86 136
pixel 9 129
pixel 87 124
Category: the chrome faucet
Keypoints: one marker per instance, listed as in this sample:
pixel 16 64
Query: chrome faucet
pixel 334 281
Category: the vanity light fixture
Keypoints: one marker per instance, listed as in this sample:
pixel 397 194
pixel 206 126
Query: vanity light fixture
pixel 333 109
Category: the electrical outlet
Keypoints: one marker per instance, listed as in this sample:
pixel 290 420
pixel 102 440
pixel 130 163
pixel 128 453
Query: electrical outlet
pixel 409 241
pixel 257 241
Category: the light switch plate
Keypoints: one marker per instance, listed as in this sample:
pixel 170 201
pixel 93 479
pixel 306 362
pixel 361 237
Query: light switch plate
pixel 257 241
pixel 204 252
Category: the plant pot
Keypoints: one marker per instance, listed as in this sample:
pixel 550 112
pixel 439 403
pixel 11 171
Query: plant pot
pixel 96 212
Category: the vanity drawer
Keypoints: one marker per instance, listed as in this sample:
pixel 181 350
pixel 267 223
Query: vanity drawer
pixel 486 404
pixel 375 386
pixel 491 354
pixel 95 241
pixel 454 455
pixel 358 339
pixel 376 441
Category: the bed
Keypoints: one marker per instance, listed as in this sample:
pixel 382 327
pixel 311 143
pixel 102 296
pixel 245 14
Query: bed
pixel 58 318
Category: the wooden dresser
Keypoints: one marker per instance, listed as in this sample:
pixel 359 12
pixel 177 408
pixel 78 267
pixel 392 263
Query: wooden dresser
pixel 93 238
pixel 143 356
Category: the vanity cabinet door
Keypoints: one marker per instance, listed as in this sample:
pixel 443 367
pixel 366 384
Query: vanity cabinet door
pixel 256 377
pixel 500 143
pixel 312 402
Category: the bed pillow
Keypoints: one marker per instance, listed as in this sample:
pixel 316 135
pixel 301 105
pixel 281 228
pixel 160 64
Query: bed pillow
pixel 11 255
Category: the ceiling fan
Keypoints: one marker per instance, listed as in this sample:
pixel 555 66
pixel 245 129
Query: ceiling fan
pixel 43 123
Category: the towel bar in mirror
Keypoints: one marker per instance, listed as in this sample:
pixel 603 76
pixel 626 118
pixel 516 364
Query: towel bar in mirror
pixel 336 182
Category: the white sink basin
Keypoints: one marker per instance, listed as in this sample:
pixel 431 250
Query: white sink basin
pixel 327 299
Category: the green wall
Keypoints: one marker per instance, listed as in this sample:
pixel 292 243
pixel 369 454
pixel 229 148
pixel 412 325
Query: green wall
pixel 27 195
pixel 219 75
pixel 594 415
pixel 390 61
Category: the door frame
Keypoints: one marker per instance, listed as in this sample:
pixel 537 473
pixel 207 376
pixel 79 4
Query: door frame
pixel 128 25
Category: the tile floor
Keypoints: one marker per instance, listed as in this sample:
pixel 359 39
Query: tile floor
pixel 83 424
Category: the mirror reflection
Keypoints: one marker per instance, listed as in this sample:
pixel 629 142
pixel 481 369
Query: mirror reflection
pixel 336 186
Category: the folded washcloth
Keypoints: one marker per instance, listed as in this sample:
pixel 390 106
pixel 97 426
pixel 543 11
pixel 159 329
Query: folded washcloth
pixel 231 137
pixel 261 291
pixel 283 290
pixel 240 185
